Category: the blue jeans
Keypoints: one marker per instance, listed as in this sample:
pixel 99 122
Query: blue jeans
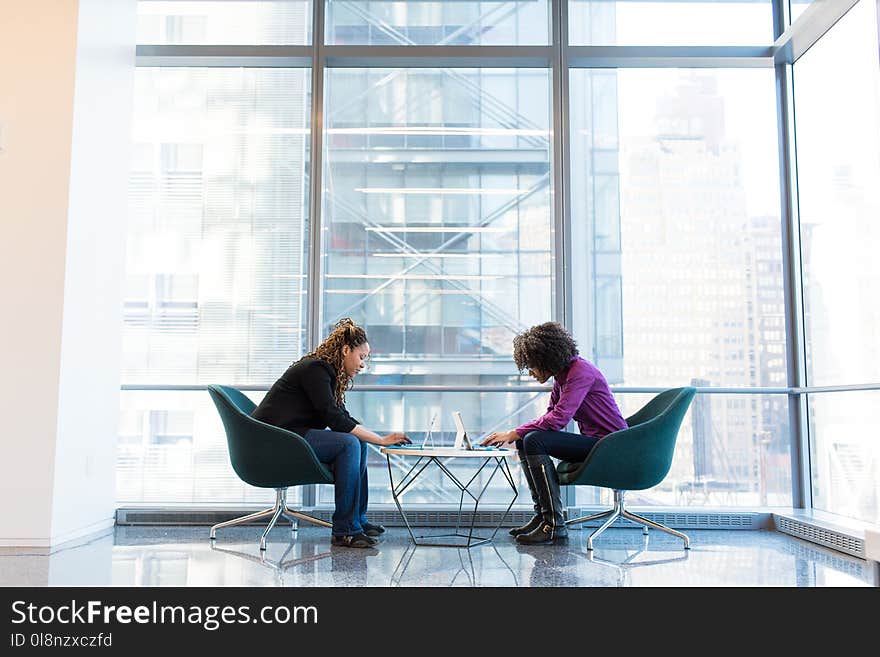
pixel 559 444
pixel 347 457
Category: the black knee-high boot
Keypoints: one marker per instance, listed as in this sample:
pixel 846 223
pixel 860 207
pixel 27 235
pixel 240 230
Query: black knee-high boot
pixel 536 520
pixel 546 483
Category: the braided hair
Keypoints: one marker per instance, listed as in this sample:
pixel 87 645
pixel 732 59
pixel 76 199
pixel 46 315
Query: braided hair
pixel 345 332
pixel 547 347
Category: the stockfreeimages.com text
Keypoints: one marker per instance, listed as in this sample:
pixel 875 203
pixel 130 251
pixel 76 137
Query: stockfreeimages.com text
pixel 211 617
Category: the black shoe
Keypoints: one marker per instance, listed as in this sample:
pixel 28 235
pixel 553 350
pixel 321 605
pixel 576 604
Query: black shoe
pixel 552 525
pixel 545 533
pixel 535 522
pixel 373 530
pixel 353 540
pixel 531 525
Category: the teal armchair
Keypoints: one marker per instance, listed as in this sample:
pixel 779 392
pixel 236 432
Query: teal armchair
pixel 635 458
pixel 266 456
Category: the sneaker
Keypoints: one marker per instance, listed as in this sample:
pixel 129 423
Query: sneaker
pixel 353 540
pixel 373 530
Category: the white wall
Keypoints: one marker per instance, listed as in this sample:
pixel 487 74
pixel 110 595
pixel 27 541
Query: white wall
pixel 66 84
pixel 91 345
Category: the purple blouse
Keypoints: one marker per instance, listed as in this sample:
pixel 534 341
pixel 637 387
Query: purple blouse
pixel 580 391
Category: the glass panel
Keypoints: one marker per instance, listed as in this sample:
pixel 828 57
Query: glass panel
pixel 676 222
pixel 838 166
pixel 845 454
pixel 217 228
pixel 732 451
pixel 798 7
pixel 438 215
pixel 459 23
pixel 246 22
pixel 709 23
pixel 411 412
pixel 438 220
pixel 172 450
pixel 215 266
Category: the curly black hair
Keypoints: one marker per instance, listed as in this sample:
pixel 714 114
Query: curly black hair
pixel 547 347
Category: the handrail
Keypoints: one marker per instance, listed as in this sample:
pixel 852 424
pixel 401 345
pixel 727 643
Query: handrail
pixel 623 390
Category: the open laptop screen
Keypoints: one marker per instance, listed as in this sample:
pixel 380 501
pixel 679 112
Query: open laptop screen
pixel 461 438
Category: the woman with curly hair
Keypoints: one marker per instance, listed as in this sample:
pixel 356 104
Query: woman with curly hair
pixel 580 392
pixel 309 399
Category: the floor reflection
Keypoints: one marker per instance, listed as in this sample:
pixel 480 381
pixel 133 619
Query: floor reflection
pixel 278 566
pixel 634 558
pixel 477 566
pixel 184 556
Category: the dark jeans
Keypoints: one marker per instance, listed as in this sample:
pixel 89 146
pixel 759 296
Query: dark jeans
pixel 559 444
pixel 347 456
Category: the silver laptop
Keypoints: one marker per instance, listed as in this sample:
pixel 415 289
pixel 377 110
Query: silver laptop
pixel 427 441
pixel 463 441
pixel 429 434
pixel 461 438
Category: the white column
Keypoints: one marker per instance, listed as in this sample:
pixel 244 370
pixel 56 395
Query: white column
pixel 872 547
pixel 66 89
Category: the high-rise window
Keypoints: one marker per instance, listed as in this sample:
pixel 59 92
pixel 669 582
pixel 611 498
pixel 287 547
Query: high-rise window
pixel 227 22
pixel 798 7
pixel 438 234
pixel 662 23
pixel 676 255
pixel 216 262
pixel 469 190
pixel 419 23
pixel 838 158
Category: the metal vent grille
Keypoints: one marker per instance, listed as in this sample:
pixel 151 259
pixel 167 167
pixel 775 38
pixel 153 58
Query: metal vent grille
pixel 389 517
pixel 683 520
pixel 821 535
pixel 447 518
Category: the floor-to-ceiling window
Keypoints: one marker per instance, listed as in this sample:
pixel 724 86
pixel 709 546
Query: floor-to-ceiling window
pixel 217 243
pixel 670 22
pixel 438 236
pixel 837 110
pixel 676 211
pixel 480 167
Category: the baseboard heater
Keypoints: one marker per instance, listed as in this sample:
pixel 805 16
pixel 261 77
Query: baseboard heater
pixel 823 535
pixel 388 517
pixel 445 517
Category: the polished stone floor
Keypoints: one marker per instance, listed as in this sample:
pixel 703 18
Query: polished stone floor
pixel 184 556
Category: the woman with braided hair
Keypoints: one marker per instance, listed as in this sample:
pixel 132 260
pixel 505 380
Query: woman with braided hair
pixel 580 392
pixel 309 399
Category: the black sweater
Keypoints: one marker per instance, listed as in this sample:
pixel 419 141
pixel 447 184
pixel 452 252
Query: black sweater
pixel 302 399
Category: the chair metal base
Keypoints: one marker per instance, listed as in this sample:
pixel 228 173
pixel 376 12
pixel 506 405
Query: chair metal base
pixel 279 509
pixel 620 512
